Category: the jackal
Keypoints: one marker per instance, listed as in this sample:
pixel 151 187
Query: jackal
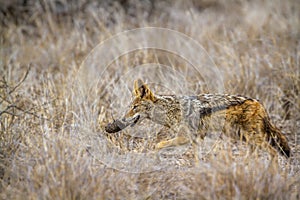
pixel 238 117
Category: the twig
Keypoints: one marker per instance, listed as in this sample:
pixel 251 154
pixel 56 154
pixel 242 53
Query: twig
pixel 22 80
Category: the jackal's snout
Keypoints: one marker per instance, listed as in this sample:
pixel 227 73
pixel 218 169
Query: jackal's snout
pixel 131 120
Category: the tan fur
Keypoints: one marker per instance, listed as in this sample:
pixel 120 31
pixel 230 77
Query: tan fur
pixel 240 118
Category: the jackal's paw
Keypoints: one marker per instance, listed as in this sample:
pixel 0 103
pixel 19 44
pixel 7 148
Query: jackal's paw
pixel 161 145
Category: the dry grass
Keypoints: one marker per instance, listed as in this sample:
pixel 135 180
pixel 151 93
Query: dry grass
pixel 52 145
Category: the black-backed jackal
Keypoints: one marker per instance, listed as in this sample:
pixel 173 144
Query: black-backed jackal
pixel 238 117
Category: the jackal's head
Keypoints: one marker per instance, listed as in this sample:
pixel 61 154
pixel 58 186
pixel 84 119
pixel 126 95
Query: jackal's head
pixel 142 104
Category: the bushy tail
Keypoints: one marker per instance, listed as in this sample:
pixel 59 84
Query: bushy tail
pixel 277 139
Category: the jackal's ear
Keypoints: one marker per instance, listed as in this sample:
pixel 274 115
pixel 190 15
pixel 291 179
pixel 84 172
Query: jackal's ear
pixel 142 90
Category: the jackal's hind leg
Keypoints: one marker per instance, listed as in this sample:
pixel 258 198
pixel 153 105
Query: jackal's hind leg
pixel 272 152
pixel 257 140
pixel 265 146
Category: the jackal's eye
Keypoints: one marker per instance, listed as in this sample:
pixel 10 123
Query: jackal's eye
pixel 134 107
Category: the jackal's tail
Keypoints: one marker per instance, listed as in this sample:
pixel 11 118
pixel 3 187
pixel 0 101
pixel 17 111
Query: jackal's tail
pixel 277 139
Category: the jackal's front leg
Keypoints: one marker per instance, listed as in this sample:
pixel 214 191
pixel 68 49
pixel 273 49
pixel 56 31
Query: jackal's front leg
pixel 177 141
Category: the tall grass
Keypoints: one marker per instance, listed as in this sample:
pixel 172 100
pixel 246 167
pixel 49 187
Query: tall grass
pixel 52 143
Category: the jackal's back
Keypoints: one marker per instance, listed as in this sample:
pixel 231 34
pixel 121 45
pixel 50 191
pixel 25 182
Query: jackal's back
pixel 211 103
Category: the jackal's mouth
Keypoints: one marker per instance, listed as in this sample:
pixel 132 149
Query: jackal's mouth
pixel 118 125
pixel 135 120
pixel 115 126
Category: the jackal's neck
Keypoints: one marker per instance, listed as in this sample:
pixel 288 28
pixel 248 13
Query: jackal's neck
pixel 167 110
